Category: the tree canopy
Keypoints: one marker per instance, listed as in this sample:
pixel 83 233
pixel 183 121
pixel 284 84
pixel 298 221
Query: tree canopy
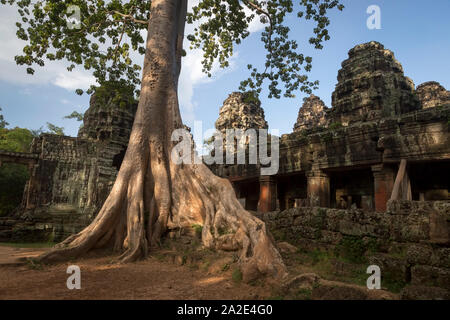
pixel 3 123
pixel 153 194
pixel 13 176
pixel 110 30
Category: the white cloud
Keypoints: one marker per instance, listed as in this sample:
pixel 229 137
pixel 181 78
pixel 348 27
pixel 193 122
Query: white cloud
pixel 74 80
pixel 55 72
pixel 52 73
pixel 192 76
pixel 255 25
pixel 191 72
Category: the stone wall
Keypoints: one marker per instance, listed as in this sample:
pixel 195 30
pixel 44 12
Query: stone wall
pixel 69 185
pixel 73 175
pixel 410 242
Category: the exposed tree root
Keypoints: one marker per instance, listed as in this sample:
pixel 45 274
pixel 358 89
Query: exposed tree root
pixel 152 195
pixel 198 198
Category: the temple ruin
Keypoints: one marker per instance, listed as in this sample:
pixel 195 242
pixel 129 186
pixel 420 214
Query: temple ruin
pixel 70 177
pixel 375 165
pixel 349 155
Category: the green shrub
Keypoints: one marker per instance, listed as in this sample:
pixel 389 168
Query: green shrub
pixel 198 229
pixel 352 249
pixel 236 275
pixel 335 126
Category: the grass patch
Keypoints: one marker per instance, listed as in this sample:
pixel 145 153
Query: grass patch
pixel 303 294
pixel 236 275
pixel 205 265
pixel 28 244
pixel 317 256
pixel 198 229
pixel 33 264
pixel 393 285
pixel 352 249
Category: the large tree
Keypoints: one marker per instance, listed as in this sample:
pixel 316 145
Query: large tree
pixel 151 194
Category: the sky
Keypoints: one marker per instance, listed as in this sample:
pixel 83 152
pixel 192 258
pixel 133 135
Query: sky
pixel 418 32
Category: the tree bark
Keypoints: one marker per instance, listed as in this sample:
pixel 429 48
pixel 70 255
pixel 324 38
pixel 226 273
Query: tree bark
pixel 151 194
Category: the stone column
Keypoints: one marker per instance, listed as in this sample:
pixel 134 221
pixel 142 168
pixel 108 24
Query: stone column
pixel 267 194
pixel 30 188
pixel 384 178
pixel 318 188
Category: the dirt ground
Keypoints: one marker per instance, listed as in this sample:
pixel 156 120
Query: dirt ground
pixel 152 278
pixel 181 270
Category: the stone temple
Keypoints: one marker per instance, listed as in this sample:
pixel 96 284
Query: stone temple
pixel 375 166
pixel 72 176
pixel 311 115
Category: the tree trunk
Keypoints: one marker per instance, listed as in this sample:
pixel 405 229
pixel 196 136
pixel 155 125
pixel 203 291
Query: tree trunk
pixel 152 194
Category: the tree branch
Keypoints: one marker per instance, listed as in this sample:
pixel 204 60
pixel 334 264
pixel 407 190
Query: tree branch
pixel 128 17
pixel 251 5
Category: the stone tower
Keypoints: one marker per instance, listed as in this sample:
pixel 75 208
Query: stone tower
pixel 110 115
pixel 432 94
pixel 371 85
pixel 311 115
pixel 241 111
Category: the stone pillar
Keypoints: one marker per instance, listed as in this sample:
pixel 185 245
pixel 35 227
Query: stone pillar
pixel 384 178
pixel 318 188
pixel 30 188
pixel 267 194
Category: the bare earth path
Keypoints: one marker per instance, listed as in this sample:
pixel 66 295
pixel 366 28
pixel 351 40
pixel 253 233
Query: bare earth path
pixel 14 256
pixel 149 279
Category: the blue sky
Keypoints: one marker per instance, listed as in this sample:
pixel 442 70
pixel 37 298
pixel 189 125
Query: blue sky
pixel 416 31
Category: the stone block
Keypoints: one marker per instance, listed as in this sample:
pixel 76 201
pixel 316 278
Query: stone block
pixel 392 268
pixel 419 253
pixel 417 292
pixel 430 276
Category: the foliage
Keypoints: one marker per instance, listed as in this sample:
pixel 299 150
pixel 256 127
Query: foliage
pixel 15 140
pixel 317 255
pixel 53 129
pixel 236 275
pixel 335 126
pixel 110 30
pixel 13 176
pixel 198 229
pixel 98 44
pixel 326 137
pixel 116 93
pixel 75 115
pixel 251 97
pixel 352 249
pixel 227 25
pixel 3 123
pixel 12 182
